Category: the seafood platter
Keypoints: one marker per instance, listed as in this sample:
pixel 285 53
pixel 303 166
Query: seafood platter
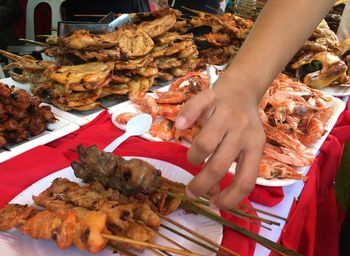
pixel 296 119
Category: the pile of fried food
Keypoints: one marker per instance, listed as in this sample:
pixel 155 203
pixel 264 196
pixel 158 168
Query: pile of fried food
pixel 227 36
pixel 92 66
pixel 121 197
pixel 294 117
pixel 21 115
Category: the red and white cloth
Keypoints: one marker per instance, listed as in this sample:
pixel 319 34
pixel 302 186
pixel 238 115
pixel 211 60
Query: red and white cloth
pixel 304 231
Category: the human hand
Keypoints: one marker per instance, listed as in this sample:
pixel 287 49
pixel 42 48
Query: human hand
pixel 231 131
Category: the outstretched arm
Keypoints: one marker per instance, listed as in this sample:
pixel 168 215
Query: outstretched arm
pixel 231 128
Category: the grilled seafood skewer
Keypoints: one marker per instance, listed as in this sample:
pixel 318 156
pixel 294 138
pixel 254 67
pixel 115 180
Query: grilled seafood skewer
pixel 85 229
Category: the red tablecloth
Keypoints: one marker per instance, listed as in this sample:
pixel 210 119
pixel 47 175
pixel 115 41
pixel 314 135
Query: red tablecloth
pixel 304 231
pixel 39 162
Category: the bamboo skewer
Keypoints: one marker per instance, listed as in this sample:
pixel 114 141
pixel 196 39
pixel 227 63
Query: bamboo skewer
pixel 191 239
pixel 33 42
pixel 118 249
pixel 157 253
pixel 235 212
pixel 260 239
pixel 197 12
pixel 198 235
pixel 182 186
pixel 148 245
pixel 264 212
pixel 164 236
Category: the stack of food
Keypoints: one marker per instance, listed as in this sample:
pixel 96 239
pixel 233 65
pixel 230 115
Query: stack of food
pixel 92 66
pixel 150 47
pixel 228 33
pixel 21 116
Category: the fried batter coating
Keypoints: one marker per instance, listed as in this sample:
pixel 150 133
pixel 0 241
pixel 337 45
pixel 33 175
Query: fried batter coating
pixel 12 215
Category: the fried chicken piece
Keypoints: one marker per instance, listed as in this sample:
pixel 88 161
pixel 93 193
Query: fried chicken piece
pixel 160 25
pixel 172 37
pixel 188 66
pixel 37 125
pixel 168 62
pixel 5 91
pixel 132 64
pixel 87 55
pixel 162 75
pixel 12 215
pixel 47 114
pixel 148 71
pixel 115 89
pixel 141 84
pixel 84 40
pixel 119 77
pixel 82 77
pixel 168 50
pixel 78 100
pixel 135 43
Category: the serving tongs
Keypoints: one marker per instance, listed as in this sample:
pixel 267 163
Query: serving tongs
pixel 107 24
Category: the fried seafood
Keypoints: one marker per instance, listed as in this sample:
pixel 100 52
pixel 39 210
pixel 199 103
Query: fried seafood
pixel 80 227
pixel 120 210
pixel 13 215
pixel 131 176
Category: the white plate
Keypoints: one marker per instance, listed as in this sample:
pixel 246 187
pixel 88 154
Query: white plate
pixel 12 243
pixel 78 117
pixel 58 129
pixel 338 91
pixel 338 106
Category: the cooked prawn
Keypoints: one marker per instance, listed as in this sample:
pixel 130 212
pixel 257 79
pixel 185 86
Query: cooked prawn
pixel 145 103
pixel 163 130
pixel 270 169
pixel 123 118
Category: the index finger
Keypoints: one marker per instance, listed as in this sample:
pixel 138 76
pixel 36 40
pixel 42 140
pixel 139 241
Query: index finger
pixel 245 179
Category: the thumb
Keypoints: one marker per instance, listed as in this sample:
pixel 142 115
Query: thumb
pixel 193 109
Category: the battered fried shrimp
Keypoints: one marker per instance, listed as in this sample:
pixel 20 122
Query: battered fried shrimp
pixel 58 226
pixel 12 215
pixel 88 234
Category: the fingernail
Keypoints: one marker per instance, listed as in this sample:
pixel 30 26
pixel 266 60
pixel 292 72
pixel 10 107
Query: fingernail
pixel 190 194
pixel 180 122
